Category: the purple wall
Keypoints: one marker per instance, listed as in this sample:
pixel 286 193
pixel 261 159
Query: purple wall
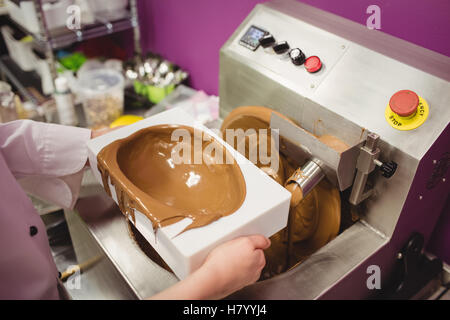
pixel 190 33
pixel 423 22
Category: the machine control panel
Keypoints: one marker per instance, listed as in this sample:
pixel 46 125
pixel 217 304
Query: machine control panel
pixel 255 37
pixel 405 111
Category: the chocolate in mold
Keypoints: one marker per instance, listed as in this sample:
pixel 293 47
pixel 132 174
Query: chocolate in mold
pixel 146 177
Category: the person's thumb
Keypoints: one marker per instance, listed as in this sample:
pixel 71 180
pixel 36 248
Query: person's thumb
pixel 259 241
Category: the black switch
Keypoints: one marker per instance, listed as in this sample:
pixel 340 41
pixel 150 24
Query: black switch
pixel 297 56
pixel 267 41
pixel 281 47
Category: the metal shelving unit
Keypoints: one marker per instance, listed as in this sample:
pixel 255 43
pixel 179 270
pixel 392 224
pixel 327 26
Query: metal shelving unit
pixel 20 79
pixel 46 41
pixel 51 40
pixel 63 37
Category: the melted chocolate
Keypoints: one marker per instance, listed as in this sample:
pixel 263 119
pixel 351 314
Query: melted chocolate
pixel 313 220
pixel 146 248
pixel 334 143
pixel 258 119
pixel 148 178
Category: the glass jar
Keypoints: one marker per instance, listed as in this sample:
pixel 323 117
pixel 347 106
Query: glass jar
pixel 7 103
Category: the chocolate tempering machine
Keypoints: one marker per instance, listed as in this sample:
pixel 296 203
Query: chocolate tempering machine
pixel 385 99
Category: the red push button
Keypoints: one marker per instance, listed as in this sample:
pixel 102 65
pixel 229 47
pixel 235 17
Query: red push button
pixel 404 103
pixel 313 64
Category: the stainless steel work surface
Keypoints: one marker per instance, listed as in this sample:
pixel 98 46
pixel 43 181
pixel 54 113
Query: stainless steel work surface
pixel 109 230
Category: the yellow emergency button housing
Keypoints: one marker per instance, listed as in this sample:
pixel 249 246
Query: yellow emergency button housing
pixel 406 110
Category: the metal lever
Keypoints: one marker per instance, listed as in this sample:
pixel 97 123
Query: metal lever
pixel 366 163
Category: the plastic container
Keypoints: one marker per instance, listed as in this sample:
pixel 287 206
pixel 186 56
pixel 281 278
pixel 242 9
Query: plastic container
pixel 102 94
pixel 111 10
pixel 180 94
pixel 154 94
pixel 64 102
pixel 20 51
pixel 56 13
pixel 43 70
pixel 24 13
pixel 89 65
pixel 108 6
pixel 7 104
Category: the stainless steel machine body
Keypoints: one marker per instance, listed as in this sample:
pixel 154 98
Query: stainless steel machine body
pixel 361 70
pixel 347 98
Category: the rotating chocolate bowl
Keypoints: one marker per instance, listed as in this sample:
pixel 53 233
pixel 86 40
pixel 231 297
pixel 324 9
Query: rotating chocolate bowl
pixel 314 217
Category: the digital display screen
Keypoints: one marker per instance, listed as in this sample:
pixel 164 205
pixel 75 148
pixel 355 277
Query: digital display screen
pixel 251 37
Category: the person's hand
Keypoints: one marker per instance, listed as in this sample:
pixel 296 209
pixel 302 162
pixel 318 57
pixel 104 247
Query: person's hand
pixel 228 268
pixel 236 264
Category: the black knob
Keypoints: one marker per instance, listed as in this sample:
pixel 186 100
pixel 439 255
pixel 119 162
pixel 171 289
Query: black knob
pixel 267 41
pixel 297 56
pixel 388 169
pixel 281 47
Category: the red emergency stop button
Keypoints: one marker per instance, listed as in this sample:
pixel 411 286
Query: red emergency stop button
pixel 313 64
pixel 404 103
